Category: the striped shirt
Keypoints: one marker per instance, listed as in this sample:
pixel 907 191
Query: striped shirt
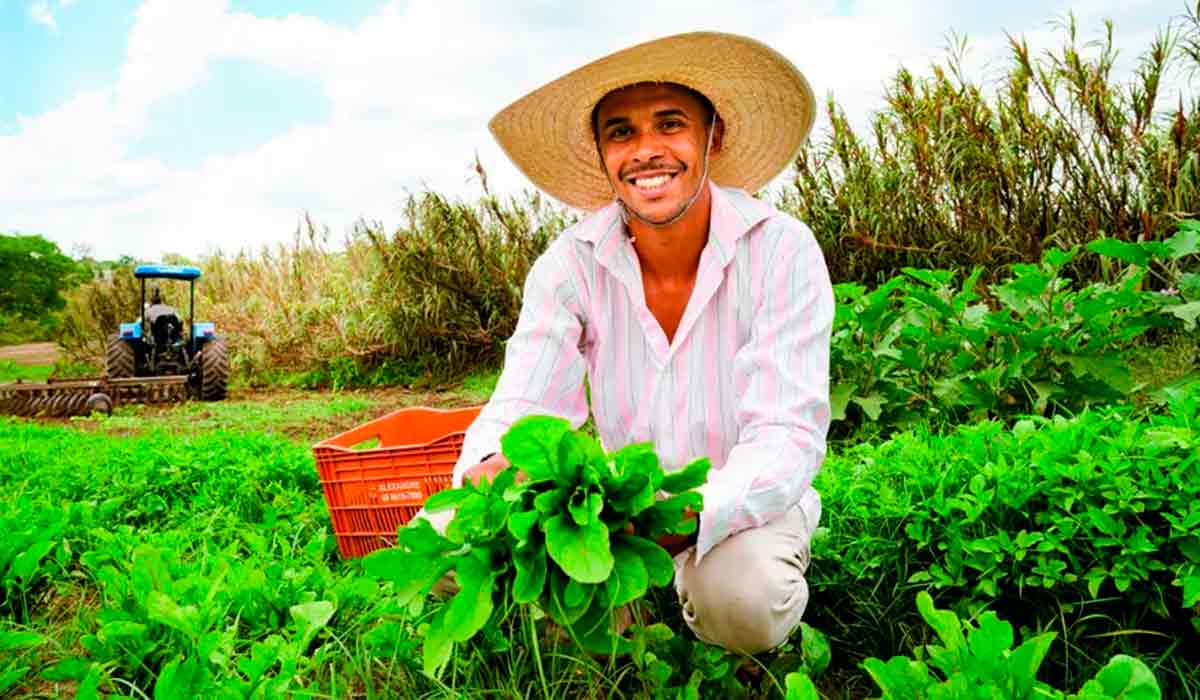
pixel 744 381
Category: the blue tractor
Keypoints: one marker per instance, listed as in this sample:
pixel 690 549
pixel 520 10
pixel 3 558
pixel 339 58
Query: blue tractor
pixel 159 345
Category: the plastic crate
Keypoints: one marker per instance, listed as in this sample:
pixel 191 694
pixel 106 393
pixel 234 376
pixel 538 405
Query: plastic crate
pixel 371 492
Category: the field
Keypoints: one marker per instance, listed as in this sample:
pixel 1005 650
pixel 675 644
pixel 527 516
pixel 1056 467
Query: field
pixel 186 552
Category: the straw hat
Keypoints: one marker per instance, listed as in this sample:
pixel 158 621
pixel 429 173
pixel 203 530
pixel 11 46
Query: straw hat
pixel 765 102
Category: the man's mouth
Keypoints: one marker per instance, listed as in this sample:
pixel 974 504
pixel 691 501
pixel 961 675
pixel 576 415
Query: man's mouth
pixel 650 183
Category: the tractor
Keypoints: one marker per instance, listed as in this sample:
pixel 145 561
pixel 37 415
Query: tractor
pixel 159 345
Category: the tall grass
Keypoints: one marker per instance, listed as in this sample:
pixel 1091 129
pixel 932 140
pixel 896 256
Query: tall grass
pixel 955 173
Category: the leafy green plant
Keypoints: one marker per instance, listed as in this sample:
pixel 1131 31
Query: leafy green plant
pixel 576 538
pixel 923 348
pixel 977 660
pixel 1086 524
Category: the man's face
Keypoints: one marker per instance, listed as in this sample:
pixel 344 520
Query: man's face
pixel 652 140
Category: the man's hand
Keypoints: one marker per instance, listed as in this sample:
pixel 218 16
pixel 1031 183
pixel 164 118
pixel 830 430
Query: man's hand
pixel 674 544
pixel 489 468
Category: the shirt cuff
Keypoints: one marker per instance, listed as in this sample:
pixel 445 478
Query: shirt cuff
pixel 480 441
pixel 718 520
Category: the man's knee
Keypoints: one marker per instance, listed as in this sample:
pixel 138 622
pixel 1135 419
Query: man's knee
pixel 749 592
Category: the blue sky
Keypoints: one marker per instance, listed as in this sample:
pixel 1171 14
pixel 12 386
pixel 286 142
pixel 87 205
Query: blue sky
pixel 147 126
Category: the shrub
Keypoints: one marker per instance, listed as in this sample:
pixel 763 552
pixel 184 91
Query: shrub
pixel 1086 526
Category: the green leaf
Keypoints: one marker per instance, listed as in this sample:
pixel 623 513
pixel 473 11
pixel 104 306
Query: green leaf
pixel 1186 241
pixel 438 644
pixel 447 499
pixel 11 641
pixel 585 507
pixel 1126 252
pixel 800 687
pixel 531 445
pixel 161 609
pixel 1191 590
pixel 521 524
pixel 1188 313
pixel 814 650
pixel 550 503
pixel 578 595
pixel 10 676
pixel 472 519
pixel 1025 660
pixel 89 687
pixel 1123 678
pixel 70 669
pixel 691 476
pixel 471 607
pixel 420 537
pixel 944 622
pixel 26 563
pixel 660 568
pixel 178 679
pixel 872 405
pixel 411 575
pixel 583 553
pixel 839 398
pixel 900 677
pixel 313 616
pixel 1109 369
pixel 559 610
pixel 531 575
pixel 630 574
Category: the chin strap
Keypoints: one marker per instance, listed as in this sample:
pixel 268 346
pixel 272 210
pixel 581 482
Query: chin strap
pixel 627 211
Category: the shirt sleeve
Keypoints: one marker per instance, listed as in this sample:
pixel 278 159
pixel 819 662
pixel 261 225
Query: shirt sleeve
pixel 543 364
pixel 781 378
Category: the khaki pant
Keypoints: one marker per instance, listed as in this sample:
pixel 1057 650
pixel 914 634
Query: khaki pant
pixel 748 593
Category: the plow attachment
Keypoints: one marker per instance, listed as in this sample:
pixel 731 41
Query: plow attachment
pixel 79 397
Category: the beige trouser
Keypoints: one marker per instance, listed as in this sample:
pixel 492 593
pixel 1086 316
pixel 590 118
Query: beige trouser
pixel 748 593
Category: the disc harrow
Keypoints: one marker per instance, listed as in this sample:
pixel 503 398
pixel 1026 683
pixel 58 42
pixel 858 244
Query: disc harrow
pixel 76 397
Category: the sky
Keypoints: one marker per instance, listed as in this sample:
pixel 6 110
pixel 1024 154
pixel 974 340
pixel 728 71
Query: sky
pixel 144 127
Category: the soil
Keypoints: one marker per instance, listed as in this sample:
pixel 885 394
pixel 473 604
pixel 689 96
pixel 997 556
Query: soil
pixel 31 353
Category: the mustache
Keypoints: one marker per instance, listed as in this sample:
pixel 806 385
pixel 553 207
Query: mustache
pixel 635 170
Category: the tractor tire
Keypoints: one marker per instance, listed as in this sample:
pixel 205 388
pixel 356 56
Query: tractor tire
pixel 214 370
pixel 119 358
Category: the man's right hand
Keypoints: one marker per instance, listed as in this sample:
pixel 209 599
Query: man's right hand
pixel 489 468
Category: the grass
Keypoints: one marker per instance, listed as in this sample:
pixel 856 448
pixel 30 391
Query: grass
pixel 13 372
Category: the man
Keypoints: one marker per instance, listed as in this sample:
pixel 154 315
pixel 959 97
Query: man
pixel 700 315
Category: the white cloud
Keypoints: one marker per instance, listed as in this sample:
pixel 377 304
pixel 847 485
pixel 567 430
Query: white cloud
pixel 411 89
pixel 39 11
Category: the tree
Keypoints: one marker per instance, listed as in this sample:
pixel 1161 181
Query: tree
pixel 33 275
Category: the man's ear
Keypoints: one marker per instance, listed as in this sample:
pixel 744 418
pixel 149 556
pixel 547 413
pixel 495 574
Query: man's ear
pixel 718 136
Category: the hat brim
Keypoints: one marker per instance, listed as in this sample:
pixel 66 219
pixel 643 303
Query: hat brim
pixel 765 101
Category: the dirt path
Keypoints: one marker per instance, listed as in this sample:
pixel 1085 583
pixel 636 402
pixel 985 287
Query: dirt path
pixel 30 353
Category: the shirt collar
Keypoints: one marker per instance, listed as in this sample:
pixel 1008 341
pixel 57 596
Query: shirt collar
pixel 733 213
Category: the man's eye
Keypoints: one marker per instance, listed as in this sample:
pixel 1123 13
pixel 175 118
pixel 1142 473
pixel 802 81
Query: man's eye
pixel 672 125
pixel 619 133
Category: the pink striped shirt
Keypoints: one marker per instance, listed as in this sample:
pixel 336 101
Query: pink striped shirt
pixel 744 382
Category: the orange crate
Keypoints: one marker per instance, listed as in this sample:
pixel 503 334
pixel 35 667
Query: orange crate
pixel 371 492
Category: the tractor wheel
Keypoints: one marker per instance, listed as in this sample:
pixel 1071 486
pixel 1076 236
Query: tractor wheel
pixel 214 370
pixel 119 359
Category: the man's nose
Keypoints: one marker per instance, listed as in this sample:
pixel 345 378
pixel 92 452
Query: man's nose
pixel 647 146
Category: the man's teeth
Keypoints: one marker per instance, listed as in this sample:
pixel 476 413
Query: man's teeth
pixel 651 182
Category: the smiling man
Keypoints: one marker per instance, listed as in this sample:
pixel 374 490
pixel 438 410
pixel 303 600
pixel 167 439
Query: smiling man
pixel 699 315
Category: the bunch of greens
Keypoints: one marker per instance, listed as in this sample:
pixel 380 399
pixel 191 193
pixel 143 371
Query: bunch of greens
pixel 577 538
